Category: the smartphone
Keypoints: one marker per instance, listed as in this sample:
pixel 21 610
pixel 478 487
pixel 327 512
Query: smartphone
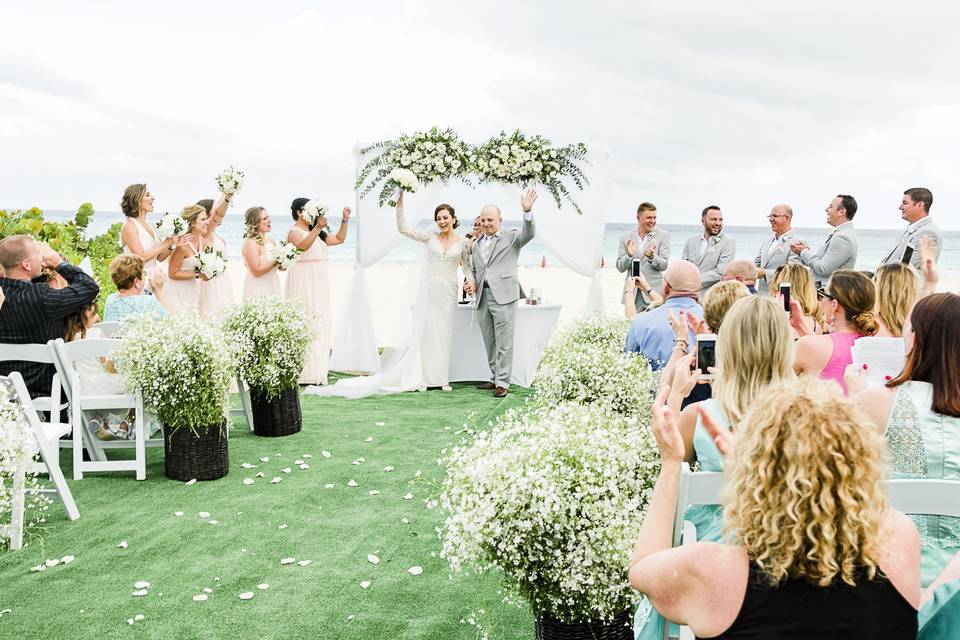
pixel 635 268
pixel 785 292
pixel 706 355
pixel 907 255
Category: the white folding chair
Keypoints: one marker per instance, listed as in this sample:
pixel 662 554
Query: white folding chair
pixel 108 328
pixel 245 409
pixel 47 435
pixel 43 354
pixel 67 355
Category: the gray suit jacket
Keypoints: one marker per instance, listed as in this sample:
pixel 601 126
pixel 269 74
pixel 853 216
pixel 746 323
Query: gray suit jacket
pixel 721 250
pixel 771 261
pixel 500 271
pixel 653 267
pixel 923 228
pixel 839 251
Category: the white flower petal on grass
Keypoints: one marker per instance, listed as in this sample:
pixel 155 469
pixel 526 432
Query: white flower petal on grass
pixel 350 617
pixel 307 455
pixel 286 470
pixel 247 465
pixel 372 559
pixel 276 481
pixel 123 545
pixel 288 561
pixel 388 468
pixel 352 483
pixel 190 482
pixel 373 492
pixel 138 617
pixel 262 586
pixel 328 486
pixel 212 522
pixel 207 590
pixel 179 514
pixel 38 568
pixel 142 584
pixel 405 521
pixel 248 481
pixel 200 597
pixel 52 563
pixel 246 595
pixel 204 514
pixel 298 462
pixel 283 526
pixel 260 474
pixel 370 439
pixel 365 584
pixel 304 466
pixel 408 496
pixel 264 459
pixel 67 559
pixel 304 563
pixel 325 454
pixel 381 424
pixel 415 571
pixel 130 621
pixel 139 593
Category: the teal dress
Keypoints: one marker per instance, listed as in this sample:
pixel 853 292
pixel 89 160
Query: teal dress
pixel 708 519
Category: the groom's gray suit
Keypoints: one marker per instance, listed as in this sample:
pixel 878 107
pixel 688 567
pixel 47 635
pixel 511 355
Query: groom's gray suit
pixel 498 289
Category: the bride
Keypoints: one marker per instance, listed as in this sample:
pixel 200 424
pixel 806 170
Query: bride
pixel 425 360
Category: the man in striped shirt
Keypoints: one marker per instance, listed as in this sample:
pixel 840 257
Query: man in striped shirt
pixel 34 313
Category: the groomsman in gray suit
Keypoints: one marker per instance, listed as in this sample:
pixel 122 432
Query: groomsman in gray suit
pixel 915 209
pixel 712 251
pixel 497 287
pixel 839 250
pixel 650 247
pixel 775 250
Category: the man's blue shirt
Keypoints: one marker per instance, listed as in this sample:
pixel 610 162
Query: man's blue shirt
pixel 651 334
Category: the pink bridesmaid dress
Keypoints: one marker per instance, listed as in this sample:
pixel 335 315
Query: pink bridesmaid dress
pixel 216 296
pixel 309 282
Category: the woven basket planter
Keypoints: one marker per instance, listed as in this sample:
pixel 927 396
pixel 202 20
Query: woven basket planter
pixel 202 455
pixel 278 416
pixel 546 628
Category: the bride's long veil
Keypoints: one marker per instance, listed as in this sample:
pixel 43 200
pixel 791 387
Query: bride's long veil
pixel 401 369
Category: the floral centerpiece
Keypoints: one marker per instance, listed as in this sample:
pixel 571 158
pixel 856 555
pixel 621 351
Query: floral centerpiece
pixel 211 262
pixel 170 225
pixel 527 160
pixel 553 499
pixel 410 160
pixel 284 254
pixel 271 335
pixel 183 366
pixel 230 181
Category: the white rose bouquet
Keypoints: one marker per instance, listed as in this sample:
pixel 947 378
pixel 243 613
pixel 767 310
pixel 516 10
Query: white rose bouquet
pixel 230 181
pixel 313 210
pixel 211 262
pixel 430 156
pixel 284 253
pixel 527 160
pixel 401 180
pixel 171 225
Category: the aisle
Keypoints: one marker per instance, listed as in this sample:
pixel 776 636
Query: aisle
pixel 336 528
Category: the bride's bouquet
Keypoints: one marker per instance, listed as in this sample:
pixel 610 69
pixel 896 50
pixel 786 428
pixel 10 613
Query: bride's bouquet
pixel 211 262
pixel 230 181
pixel 170 225
pixel 421 158
pixel 527 160
pixel 284 253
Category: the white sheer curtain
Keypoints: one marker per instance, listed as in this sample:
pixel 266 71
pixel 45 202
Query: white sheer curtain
pixel 575 239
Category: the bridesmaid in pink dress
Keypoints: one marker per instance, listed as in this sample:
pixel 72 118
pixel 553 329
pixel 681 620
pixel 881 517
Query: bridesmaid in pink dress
pixel 262 278
pixel 182 292
pixel 137 235
pixel 216 295
pixel 309 282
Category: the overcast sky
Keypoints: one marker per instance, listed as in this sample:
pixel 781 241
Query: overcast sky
pixel 740 104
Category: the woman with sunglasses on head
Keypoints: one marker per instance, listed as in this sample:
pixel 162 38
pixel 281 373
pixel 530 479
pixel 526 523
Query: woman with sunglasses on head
pixel 847 304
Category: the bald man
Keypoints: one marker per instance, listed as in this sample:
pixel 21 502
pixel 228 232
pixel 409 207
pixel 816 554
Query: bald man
pixel 743 271
pixel 650 333
pixel 775 251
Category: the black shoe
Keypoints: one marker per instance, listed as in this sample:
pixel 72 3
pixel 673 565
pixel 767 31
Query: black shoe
pixel 487 386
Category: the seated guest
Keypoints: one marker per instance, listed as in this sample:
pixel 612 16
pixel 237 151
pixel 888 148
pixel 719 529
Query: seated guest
pixel 919 413
pixel 126 271
pixel 803 292
pixel 719 300
pixel 630 289
pixel 814 549
pixel 847 305
pixel 650 333
pixel 742 271
pixel 35 313
pixel 940 611
pixel 897 290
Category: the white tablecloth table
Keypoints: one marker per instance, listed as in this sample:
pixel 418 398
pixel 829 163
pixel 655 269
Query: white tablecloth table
pixel 468 360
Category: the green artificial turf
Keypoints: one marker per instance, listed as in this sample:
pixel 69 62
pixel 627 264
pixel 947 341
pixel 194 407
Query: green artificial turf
pixel 336 528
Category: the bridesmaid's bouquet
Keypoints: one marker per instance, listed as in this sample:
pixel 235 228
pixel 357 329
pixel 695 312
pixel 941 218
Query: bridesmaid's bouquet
pixel 211 262
pixel 284 254
pixel 171 225
pixel 429 156
pixel 313 211
pixel 230 181
pixel 527 160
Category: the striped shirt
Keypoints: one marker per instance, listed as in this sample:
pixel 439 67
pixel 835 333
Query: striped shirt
pixel 34 314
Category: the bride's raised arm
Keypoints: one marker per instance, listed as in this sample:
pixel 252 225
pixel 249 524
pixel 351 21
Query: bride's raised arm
pixel 413 234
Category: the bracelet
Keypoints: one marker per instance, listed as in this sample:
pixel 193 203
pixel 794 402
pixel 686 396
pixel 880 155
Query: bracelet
pixel 648 291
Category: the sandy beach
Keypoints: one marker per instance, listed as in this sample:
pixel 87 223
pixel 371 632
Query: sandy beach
pixel 391 289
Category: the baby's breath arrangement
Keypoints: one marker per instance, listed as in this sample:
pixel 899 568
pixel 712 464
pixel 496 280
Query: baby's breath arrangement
pixel 182 365
pixel 553 498
pixel 271 336
pixel 585 363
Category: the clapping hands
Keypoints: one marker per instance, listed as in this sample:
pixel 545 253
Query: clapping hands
pixel 798 247
pixel 928 264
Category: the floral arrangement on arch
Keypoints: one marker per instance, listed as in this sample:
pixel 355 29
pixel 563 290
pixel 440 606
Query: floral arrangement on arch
pixel 182 366
pixel 552 498
pixel 271 336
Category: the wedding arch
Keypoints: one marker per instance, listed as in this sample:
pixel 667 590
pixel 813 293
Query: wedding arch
pixel 574 238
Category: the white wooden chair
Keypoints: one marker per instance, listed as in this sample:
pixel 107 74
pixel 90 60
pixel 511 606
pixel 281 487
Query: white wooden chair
pixel 67 354
pixel 246 409
pixel 43 354
pixel 46 434
pixel 108 328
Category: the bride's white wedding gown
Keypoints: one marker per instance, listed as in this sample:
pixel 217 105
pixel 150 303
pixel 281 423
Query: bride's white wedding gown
pixel 425 359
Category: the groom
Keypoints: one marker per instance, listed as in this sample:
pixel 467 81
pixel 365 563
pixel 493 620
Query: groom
pixel 494 256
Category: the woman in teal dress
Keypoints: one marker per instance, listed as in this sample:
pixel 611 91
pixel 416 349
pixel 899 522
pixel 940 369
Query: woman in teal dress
pixel 754 350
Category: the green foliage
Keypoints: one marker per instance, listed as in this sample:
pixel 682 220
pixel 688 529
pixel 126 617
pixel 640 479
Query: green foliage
pixel 70 240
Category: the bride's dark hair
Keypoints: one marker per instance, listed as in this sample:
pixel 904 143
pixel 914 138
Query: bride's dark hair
pixel 297 206
pixel 448 209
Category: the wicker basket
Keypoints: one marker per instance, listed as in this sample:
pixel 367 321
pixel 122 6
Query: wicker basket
pixel 546 628
pixel 189 456
pixel 278 416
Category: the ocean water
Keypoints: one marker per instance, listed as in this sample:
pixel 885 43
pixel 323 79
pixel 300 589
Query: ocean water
pixel 874 244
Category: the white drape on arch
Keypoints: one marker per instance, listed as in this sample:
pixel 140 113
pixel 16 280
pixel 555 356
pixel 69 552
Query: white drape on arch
pixel 575 239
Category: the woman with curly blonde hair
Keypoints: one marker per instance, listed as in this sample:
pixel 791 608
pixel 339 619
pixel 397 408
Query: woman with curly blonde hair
pixel 262 278
pixel 898 286
pixel 813 546
pixel 803 290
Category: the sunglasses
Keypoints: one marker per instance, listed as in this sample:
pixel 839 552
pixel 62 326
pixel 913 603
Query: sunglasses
pixel 821 294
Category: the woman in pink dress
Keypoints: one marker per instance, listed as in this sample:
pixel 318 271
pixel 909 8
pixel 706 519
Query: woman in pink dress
pixel 138 237
pixel 262 278
pixel 309 282
pixel 216 294
pixel 182 292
